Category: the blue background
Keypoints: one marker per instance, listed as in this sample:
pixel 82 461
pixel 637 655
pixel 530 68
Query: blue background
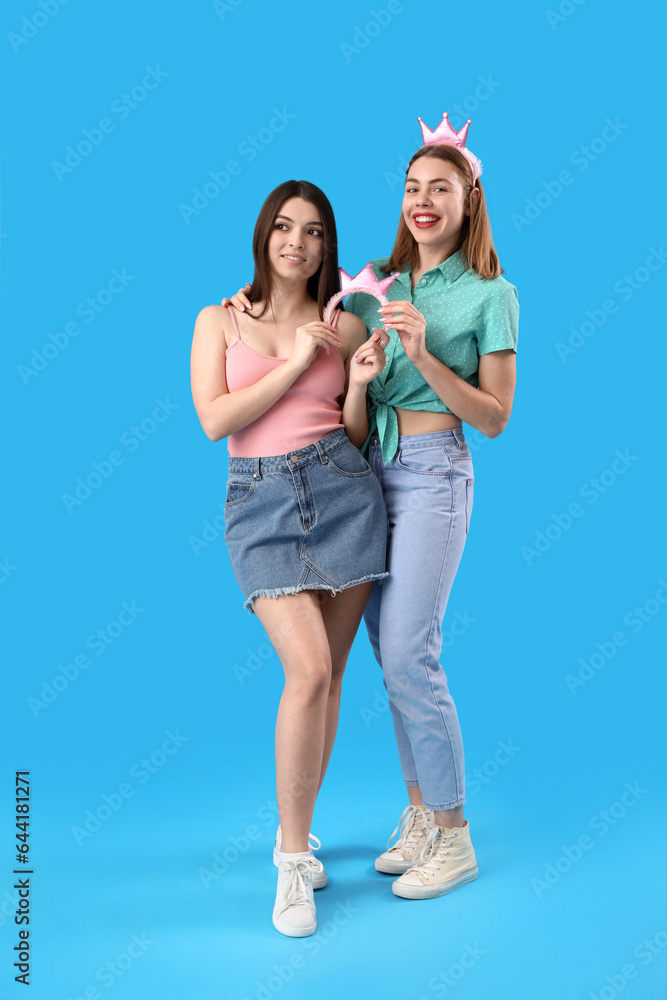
pixel 193 664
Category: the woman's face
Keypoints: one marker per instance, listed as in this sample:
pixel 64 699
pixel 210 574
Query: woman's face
pixel 296 242
pixel 434 203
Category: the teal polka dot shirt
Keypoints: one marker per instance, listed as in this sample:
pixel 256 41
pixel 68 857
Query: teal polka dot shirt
pixel 466 316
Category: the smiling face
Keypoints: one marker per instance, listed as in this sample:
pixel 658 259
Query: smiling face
pixel 296 240
pixel 435 203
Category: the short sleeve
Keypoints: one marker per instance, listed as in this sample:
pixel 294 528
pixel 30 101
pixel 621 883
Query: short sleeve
pixel 500 320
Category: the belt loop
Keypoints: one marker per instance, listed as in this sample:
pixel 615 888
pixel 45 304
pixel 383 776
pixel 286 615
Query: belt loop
pixel 257 474
pixel 324 458
pixel 458 434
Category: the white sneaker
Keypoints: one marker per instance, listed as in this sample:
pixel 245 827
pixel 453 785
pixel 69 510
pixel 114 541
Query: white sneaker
pixel 317 868
pixel 447 861
pixel 294 911
pixel 417 821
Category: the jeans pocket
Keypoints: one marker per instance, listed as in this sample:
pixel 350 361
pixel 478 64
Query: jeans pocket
pixel 349 462
pixel 425 461
pixel 239 488
pixel 470 490
pixel 458 453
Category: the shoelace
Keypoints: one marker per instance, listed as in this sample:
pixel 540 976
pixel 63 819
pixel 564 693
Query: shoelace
pixel 409 834
pixel 297 893
pixel 316 842
pixel 433 852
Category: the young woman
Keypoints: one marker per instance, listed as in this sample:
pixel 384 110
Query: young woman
pixel 305 522
pixel 453 328
pixel 451 357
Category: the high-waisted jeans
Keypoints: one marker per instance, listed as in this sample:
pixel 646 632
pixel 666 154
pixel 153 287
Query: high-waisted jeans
pixel 428 492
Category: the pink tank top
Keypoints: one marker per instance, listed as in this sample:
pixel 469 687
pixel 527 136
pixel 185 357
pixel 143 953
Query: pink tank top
pixel 307 411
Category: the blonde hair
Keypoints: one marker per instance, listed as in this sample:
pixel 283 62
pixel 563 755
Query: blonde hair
pixel 476 241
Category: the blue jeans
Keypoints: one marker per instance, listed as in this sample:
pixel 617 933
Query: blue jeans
pixel 428 492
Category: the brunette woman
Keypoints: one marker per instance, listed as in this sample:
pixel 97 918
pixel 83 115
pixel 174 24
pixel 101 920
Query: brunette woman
pixel 305 522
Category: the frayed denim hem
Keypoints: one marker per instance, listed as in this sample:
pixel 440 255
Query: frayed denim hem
pixel 281 591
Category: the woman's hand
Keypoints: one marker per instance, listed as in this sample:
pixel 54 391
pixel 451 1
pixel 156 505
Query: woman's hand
pixel 308 338
pixel 239 300
pixel 369 359
pixel 410 326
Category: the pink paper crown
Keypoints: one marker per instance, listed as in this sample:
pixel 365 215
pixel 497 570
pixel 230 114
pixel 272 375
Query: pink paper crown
pixel 366 282
pixel 446 135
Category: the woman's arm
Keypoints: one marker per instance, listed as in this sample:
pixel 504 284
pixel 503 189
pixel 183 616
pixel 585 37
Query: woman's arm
pixel 365 360
pixel 488 408
pixel 222 412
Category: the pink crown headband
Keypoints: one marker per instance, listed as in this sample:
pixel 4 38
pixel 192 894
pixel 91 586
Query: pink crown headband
pixel 366 282
pixel 446 135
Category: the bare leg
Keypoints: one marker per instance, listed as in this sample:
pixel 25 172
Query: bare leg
pixel 449 817
pixel 341 615
pixel 295 627
pixel 445 817
pixel 414 795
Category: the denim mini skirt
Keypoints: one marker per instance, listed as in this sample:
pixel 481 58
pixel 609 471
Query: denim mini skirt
pixel 312 519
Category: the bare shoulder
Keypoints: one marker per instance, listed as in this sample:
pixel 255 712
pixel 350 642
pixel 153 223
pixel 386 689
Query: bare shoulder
pixel 352 330
pixel 213 322
pixel 349 323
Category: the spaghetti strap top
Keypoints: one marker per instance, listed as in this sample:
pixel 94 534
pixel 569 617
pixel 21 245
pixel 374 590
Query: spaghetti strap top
pixel 308 410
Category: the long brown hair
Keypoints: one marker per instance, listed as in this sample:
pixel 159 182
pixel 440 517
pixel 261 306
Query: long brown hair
pixel 475 240
pixel 321 285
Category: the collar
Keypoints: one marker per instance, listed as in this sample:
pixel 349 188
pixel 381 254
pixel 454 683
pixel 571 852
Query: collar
pixel 451 269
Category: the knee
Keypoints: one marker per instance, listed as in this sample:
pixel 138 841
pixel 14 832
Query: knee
pixel 397 666
pixel 310 682
pixel 403 684
pixel 335 685
pixel 409 656
pixel 337 670
pixel 397 692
